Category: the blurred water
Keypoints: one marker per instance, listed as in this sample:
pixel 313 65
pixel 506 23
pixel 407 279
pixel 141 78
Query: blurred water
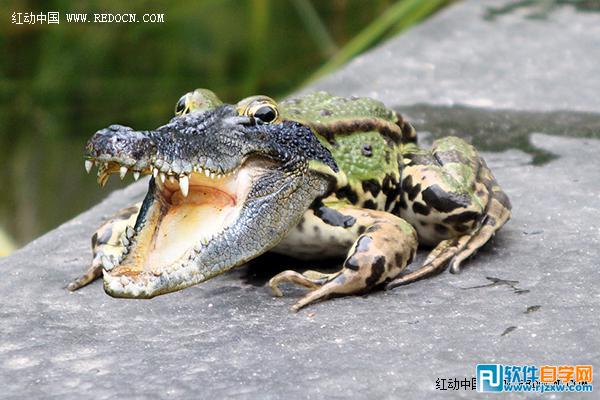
pixel 60 83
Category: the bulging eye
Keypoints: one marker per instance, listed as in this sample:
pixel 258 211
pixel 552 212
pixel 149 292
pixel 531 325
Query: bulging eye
pixel 261 108
pixel 180 106
pixel 266 114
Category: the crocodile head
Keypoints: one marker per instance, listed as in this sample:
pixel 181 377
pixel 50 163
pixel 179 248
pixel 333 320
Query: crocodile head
pixel 228 183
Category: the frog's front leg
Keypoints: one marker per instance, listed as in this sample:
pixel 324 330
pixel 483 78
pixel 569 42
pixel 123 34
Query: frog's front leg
pixel 453 200
pixel 385 244
pixel 107 244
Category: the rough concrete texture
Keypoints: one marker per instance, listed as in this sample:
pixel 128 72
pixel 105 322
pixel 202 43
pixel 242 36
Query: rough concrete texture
pixel 529 297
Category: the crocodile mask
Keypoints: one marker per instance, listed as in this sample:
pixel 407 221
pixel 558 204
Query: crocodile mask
pixel 225 188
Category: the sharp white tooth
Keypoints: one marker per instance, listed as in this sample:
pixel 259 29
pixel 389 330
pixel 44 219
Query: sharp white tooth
pixel 155 172
pixel 172 178
pixel 125 241
pixel 207 173
pixel 184 184
pixel 107 263
pixel 199 169
pixel 123 172
pixel 129 232
pixel 212 175
pixel 136 175
pixel 163 177
pixel 88 165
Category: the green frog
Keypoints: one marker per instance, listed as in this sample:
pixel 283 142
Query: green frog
pixel 310 177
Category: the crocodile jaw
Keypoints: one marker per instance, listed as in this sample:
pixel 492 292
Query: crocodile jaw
pixel 177 230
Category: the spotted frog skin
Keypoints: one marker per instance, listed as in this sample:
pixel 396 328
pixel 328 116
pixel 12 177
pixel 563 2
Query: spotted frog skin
pixel 374 204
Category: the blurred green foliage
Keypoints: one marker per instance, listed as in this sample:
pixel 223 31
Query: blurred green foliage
pixel 60 83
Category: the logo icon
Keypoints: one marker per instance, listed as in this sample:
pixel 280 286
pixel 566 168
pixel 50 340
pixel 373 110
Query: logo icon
pixel 489 378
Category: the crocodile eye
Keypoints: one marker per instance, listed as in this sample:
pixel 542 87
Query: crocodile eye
pixel 266 114
pixel 180 106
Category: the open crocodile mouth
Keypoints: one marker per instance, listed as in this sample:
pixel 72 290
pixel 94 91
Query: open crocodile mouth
pixel 187 213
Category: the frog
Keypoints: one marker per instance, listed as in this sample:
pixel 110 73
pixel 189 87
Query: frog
pixel 311 177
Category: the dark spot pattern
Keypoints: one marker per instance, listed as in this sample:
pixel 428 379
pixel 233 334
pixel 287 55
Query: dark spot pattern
pixel 334 217
pixel 466 216
pixel 409 135
pixel 347 192
pixel 398 259
pixel 419 208
pixel 361 229
pixel 411 190
pixel 370 204
pixel 391 190
pixel 371 186
pixel 443 201
pixel 387 129
pixel 377 270
pixel 402 203
pixel 462 228
pixel 502 199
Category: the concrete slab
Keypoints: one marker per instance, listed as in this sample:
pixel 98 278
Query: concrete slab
pixel 529 297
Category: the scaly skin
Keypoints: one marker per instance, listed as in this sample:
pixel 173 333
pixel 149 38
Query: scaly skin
pixel 329 176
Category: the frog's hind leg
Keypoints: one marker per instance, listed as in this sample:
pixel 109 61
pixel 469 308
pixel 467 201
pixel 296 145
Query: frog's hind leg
pixel 386 244
pixel 497 214
pixel 458 203
pixel 107 245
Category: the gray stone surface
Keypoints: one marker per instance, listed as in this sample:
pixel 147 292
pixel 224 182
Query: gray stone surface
pixel 463 57
pixel 529 297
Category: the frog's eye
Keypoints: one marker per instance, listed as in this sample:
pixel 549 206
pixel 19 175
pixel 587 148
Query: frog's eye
pixel 180 107
pixel 262 108
pixel 266 114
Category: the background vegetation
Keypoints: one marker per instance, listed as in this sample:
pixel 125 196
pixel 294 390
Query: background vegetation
pixel 60 83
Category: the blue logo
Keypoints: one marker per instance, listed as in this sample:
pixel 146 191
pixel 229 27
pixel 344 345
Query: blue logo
pixel 489 377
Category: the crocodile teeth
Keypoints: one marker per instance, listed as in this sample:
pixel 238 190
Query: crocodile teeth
pixel 155 172
pixel 107 263
pixel 163 177
pixel 88 165
pixel 184 185
pixel 172 178
pixel 207 173
pixel 136 175
pixel 129 232
pixel 123 172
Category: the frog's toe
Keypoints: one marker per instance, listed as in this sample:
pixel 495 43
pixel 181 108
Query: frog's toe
pixel 436 261
pixel 93 272
pixel 342 284
pixel 309 279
